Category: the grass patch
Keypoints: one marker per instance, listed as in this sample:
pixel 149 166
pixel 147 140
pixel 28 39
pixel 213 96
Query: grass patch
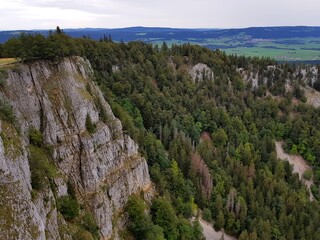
pixel 41 166
pixel 79 233
pixel 6 61
pixel 6 112
pixel 81 79
pixel 85 94
pixel 52 87
pixel 89 223
pixel 6 211
pixel 36 138
pixel 11 140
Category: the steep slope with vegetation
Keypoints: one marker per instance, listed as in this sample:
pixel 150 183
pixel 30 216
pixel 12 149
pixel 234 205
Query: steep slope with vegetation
pixel 221 133
pixel 210 140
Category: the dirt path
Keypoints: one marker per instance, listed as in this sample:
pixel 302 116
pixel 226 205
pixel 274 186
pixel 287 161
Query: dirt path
pixel 299 165
pixel 211 234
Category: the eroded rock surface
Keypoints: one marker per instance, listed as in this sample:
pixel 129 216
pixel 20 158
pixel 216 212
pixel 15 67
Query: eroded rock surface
pixel 105 166
pixel 200 72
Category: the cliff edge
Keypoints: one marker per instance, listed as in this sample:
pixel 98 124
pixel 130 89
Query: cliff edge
pixel 54 115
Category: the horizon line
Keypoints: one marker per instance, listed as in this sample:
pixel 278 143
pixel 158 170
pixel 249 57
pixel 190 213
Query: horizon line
pixel 148 27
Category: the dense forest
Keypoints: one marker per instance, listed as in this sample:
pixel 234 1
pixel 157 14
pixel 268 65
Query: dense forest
pixel 209 142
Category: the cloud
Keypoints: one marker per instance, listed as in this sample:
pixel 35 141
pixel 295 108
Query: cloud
pixel 93 6
pixel 36 14
pixel 33 14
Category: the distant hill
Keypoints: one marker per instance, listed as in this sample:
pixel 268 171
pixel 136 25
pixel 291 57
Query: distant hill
pixel 300 43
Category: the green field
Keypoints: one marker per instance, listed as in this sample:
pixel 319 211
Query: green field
pixel 282 49
pixel 279 54
pixel 303 49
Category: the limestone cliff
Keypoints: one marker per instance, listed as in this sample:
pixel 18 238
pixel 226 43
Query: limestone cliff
pixel 103 165
pixel 303 76
pixel 200 72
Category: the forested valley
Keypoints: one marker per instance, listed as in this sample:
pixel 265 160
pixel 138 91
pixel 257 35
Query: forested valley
pixel 210 140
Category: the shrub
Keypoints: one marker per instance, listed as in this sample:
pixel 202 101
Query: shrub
pixel 315 191
pixel 68 207
pixel 89 223
pixel 2 82
pixel 91 127
pixel 3 76
pixel 71 189
pixel 103 116
pixel 81 234
pixel 316 85
pixel 155 233
pixel 294 149
pixel 6 112
pixel 139 221
pixel 206 215
pixel 36 138
pixel 41 168
pixel 163 214
pixel 307 174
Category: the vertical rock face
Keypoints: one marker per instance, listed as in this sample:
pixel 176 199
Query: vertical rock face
pixel 104 166
pixel 200 72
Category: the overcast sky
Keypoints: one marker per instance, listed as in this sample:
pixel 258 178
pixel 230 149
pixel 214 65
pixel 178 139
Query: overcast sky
pixel 47 14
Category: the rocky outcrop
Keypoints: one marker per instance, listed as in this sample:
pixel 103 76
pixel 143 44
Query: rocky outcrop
pixel 305 77
pixel 200 72
pixel 103 165
pixel 250 77
pixel 306 74
pixel 313 97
